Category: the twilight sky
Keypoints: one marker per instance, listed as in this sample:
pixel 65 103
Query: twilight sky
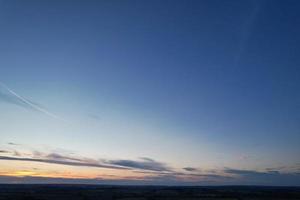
pixel 195 92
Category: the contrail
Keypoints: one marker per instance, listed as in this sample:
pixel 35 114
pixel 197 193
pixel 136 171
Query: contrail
pixel 247 28
pixel 25 101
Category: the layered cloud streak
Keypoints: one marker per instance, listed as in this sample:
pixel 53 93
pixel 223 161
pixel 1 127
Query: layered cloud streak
pixel 148 171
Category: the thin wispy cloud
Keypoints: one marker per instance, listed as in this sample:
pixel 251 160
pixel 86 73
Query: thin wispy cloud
pixel 10 96
pixel 13 144
pixel 246 30
pixel 57 156
pixel 144 164
pixel 264 177
pixel 190 169
pixel 152 171
pixel 60 162
pixel 73 160
pixel 64 159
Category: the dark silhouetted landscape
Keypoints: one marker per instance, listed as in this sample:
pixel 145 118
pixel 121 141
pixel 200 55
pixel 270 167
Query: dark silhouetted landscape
pixel 94 192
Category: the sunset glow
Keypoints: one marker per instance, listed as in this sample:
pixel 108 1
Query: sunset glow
pixel 150 92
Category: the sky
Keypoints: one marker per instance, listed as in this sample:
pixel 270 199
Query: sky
pixel 169 92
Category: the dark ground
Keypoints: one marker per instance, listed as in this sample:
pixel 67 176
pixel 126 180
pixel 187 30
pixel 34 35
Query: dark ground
pixel 85 192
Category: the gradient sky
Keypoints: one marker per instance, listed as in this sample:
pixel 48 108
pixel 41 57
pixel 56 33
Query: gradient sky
pixel 150 92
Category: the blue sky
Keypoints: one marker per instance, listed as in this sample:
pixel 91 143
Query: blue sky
pixel 211 85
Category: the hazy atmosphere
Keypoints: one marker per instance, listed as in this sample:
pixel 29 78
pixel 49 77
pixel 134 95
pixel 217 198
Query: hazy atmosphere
pixel 159 92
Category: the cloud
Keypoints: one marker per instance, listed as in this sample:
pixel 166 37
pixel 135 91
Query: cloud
pixel 190 169
pixel 10 96
pixel 66 159
pixel 4 151
pixel 17 153
pixel 94 116
pixel 246 29
pixel 229 177
pixel 12 143
pixel 265 178
pixel 144 164
pixel 62 162
pixel 241 172
pixel 155 172
pixel 275 168
pixel 57 156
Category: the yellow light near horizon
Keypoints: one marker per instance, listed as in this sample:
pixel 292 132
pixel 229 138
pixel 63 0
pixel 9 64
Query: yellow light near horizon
pixel 18 169
pixel 19 173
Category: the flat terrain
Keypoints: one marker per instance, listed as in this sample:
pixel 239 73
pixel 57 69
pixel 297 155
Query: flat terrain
pixel 85 192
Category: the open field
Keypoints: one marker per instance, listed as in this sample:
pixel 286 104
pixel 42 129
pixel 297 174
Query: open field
pixel 85 192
